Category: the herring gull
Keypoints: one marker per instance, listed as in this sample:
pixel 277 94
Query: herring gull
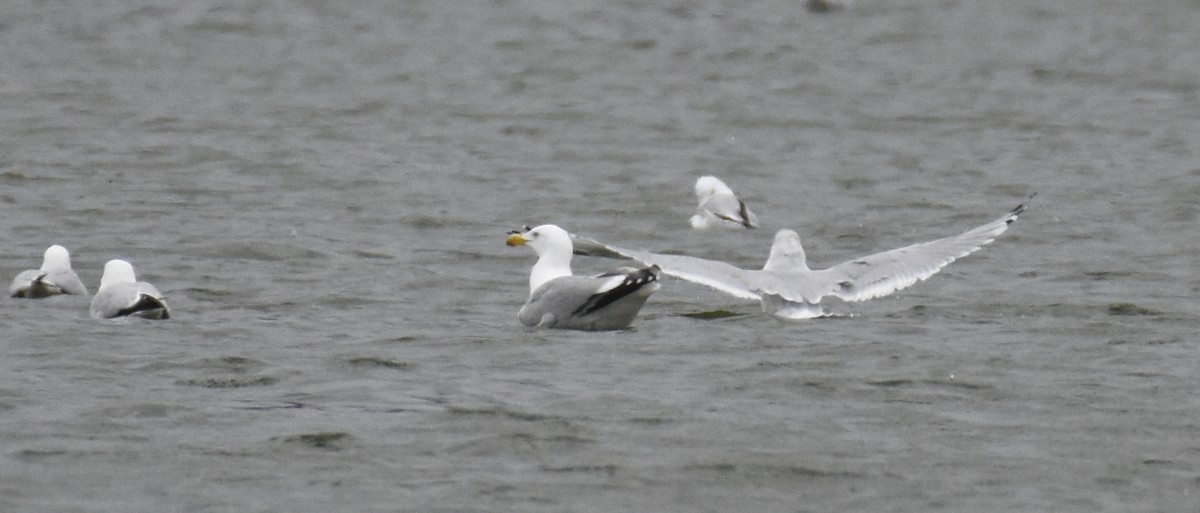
pixel 121 295
pixel 557 299
pixel 53 278
pixel 787 288
pixel 720 207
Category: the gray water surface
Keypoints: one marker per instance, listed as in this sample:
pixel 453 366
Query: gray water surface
pixel 322 190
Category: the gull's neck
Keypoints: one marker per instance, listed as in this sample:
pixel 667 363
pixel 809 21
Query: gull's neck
pixel 550 265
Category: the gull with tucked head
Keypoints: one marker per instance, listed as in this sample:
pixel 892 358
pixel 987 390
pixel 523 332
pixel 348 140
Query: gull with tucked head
pixel 121 295
pixel 53 278
pixel 558 299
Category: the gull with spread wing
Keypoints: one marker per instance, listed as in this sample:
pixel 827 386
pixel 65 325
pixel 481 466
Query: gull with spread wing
pixel 788 288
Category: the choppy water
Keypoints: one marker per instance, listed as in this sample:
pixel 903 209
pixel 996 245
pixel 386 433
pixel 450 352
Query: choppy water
pixel 322 190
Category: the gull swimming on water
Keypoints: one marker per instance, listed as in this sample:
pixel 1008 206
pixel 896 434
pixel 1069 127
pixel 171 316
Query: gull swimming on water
pixel 121 295
pixel 720 207
pixel 557 299
pixel 788 288
pixel 55 277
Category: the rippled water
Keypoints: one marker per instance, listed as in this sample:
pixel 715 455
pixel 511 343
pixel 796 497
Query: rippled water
pixel 322 190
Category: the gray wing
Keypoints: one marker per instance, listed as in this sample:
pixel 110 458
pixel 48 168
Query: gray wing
pixel 710 273
pixel 731 209
pixel 35 283
pixel 557 299
pixel 608 301
pixel 591 247
pixel 68 281
pixel 884 273
pixel 20 284
pixel 121 299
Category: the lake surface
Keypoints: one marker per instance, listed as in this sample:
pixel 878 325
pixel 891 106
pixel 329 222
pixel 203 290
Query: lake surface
pixel 322 190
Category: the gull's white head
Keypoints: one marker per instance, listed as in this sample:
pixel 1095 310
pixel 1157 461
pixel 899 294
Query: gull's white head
pixel 709 186
pixel 553 246
pixel 546 239
pixel 117 271
pixel 786 253
pixel 55 258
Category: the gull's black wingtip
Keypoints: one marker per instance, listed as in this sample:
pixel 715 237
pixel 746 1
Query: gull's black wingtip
pixel 1019 209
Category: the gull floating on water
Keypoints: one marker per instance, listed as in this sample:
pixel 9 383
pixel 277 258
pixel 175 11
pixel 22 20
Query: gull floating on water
pixel 720 207
pixel 557 299
pixel 787 288
pixel 121 295
pixel 55 277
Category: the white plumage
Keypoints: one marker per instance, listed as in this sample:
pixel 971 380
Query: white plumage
pixel 720 207
pixel 121 295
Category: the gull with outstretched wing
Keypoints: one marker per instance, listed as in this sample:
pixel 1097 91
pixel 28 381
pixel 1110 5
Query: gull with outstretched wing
pixel 788 288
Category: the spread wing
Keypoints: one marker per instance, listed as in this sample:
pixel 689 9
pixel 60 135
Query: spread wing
pixel 787 277
pixel 710 273
pixel 884 273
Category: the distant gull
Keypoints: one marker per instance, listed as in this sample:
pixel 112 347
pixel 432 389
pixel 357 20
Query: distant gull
pixel 55 277
pixel 720 207
pixel 787 288
pixel 121 295
pixel 557 299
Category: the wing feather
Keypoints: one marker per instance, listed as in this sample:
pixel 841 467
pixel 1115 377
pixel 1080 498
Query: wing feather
pixel 710 273
pixel 884 273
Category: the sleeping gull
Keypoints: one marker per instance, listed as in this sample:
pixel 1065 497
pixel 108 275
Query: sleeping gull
pixel 558 299
pixel 121 295
pixel 55 277
pixel 720 207
pixel 787 288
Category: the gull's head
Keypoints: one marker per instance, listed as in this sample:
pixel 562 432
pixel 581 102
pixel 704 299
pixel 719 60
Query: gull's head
pixel 56 257
pixel 709 186
pixel 553 246
pixel 117 271
pixel 543 239
pixel 786 253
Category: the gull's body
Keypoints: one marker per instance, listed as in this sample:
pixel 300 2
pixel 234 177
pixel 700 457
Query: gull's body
pixel 720 207
pixel 53 278
pixel 788 288
pixel 121 295
pixel 557 299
